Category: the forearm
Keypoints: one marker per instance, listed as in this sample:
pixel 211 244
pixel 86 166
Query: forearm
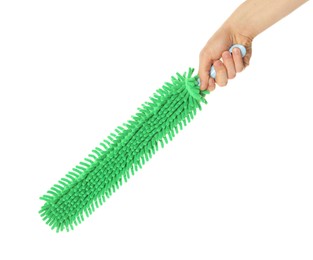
pixel 247 21
pixel 254 16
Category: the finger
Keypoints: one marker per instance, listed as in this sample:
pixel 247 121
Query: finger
pixel 211 84
pixel 204 79
pixel 204 67
pixel 238 60
pixel 221 73
pixel 229 64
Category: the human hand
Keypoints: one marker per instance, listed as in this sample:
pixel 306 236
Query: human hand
pixel 216 48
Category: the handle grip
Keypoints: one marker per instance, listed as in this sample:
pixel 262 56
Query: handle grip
pixel 243 53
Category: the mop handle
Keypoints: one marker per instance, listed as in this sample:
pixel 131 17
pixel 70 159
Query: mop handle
pixel 243 53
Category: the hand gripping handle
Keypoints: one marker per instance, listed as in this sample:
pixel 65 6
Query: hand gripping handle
pixel 243 53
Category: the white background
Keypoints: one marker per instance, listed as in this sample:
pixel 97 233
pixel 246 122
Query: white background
pixel 235 184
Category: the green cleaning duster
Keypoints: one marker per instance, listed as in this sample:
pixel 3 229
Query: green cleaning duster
pixel 124 152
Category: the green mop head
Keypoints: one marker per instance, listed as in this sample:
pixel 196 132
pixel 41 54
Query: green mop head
pixel 124 151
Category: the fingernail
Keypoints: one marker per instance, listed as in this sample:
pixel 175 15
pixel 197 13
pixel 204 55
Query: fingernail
pixel 237 51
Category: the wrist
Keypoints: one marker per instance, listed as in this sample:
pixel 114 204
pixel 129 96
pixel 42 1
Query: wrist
pixel 243 22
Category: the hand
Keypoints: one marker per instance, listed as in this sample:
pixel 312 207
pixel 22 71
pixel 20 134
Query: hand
pixel 216 48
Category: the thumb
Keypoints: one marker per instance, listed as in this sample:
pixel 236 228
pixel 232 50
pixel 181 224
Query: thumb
pixel 205 64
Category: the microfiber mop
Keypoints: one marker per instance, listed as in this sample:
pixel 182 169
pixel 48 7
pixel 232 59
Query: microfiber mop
pixel 124 151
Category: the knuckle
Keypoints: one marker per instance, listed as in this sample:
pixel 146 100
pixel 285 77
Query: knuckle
pixel 202 53
pixel 205 52
pixel 226 55
pixel 219 66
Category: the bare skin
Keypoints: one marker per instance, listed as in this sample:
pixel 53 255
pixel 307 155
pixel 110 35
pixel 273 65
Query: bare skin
pixel 247 21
